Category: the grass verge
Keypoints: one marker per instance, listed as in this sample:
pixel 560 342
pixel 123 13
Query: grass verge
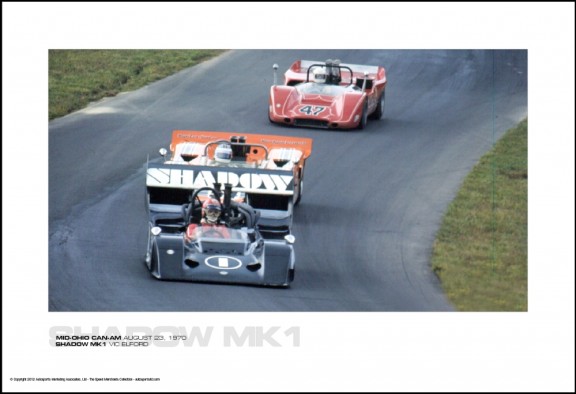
pixel 481 249
pixel 78 77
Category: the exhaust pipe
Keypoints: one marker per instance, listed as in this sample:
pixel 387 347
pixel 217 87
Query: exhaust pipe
pixel 275 67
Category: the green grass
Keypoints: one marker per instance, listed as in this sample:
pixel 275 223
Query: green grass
pixel 481 249
pixel 78 77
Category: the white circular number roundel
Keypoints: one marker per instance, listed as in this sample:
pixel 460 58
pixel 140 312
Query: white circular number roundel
pixel 223 262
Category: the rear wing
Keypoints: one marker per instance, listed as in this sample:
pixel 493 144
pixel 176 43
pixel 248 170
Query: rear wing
pixel 249 147
pixel 298 71
pixel 246 180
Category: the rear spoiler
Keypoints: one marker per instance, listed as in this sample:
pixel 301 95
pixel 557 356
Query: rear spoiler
pixel 299 68
pixel 304 145
pixel 357 68
pixel 247 180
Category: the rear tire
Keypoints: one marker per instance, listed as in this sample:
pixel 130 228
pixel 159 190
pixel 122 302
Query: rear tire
pixel 300 189
pixel 379 112
pixel 364 118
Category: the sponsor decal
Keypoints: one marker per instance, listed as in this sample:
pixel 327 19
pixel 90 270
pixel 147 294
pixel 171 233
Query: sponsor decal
pixel 197 136
pixel 245 182
pixel 283 142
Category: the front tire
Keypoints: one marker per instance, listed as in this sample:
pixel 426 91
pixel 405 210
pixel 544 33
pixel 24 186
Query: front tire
pixel 154 262
pixel 148 257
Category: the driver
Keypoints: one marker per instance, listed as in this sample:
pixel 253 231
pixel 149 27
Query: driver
pixel 223 154
pixel 211 211
pixel 319 75
pixel 210 224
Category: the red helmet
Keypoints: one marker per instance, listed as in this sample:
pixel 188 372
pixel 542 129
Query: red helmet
pixel 211 210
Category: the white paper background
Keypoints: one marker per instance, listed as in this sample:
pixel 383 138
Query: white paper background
pixel 531 351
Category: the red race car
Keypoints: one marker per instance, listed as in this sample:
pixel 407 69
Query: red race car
pixel 329 95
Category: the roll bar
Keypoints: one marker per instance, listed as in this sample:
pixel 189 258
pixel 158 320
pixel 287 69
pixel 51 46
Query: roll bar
pixel 234 144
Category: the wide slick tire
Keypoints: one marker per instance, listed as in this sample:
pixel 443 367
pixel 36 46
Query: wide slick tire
pixel 364 117
pixel 300 191
pixel 379 112
pixel 154 262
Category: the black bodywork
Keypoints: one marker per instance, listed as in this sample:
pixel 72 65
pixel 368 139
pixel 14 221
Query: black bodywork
pixel 243 256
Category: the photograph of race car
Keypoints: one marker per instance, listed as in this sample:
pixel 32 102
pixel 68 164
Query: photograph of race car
pixel 266 171
pixel 220 207
pixel 328 95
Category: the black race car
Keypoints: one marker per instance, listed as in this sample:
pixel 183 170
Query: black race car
pixel 180 247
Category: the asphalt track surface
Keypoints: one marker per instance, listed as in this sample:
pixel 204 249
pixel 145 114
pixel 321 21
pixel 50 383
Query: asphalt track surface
pixel 373 199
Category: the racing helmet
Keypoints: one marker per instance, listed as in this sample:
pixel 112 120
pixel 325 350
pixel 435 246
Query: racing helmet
pixel 223 153
pixel 319 75
pixel 211 210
